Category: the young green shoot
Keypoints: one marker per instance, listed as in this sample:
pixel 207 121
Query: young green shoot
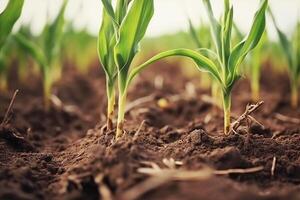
pixel 291 51
pixel 225 65
pixel 121 31
pixel 46 54
pixel 8 18
pixel 255 63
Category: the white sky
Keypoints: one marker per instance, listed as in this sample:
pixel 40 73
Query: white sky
pixel 170 15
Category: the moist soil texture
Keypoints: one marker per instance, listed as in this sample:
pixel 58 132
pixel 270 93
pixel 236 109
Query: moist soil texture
pixel 67 153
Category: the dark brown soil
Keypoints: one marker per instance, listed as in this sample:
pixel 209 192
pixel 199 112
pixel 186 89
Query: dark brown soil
pixel 66 154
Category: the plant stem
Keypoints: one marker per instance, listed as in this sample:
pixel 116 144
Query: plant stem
pixel 294 94
pixel 110 105
pixel 255 88
pixel 3 82
pixel 227 111
pixel 121 114
pixel 47 89
pixel 255 79
pixel 215 89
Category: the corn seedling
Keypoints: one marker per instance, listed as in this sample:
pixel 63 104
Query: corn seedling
pixel 225 67
pixel 8 18
pixel 256 60
pixel 46 54
pixel 121 31
pixel 291 51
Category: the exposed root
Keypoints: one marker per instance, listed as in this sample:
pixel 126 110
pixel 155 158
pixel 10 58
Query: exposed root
pixel 246 117
pixel 6 116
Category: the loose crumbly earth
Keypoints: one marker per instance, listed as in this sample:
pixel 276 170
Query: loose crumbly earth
pixel 67 154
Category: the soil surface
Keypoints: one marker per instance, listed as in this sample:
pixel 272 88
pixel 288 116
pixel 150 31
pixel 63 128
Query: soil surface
pixel 172 129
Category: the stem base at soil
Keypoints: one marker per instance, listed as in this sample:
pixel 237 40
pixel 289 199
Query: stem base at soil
pixel 227 112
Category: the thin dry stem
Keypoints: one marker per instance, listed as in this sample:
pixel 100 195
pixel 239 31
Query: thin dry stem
pixel 139 130
pixel 246 116
pixel 239 171
pixel 160 176
pixel 273 166
pixel 284 118
pixel 5 119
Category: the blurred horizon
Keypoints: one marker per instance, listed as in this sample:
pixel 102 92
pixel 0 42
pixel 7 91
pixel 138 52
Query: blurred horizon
pixel 170 16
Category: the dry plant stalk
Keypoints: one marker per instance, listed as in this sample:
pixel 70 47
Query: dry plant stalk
pixel 246 117
pixel 6 116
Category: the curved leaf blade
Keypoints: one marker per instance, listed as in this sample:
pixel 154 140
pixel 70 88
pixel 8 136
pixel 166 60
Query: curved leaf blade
pixel 284 42
pixel 33 50
pixel 105 44
pixel 54 34
pixel 241 50
pixel 203 63
pixel 216 29
pixel 9 17
pixel 132 30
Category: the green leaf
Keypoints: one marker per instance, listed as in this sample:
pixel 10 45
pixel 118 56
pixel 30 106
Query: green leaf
pixel 227 35
pixel 194 34
pixel 215 28
pixel 240 51
pixel 106 46
pixel 54 34
pixel 238 32
pixel 203 63
pixel 33 50
pixel 121 10
pixel 132 30
pixel 8 18
pixel 109 9
pixel 285 43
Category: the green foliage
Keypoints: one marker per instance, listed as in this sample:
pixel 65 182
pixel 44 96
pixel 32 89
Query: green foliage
pixel 120 34
pixel 291 51
pixel 79 48
pixel 46 54
pixel 8 18
pixel 224 68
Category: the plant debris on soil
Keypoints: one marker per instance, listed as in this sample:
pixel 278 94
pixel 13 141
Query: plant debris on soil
pixel 67 154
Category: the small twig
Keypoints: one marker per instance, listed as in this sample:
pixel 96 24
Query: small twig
pixel 273 166
pixel 161 176
pixel 5 119
pixel 239 171
pixel 284 118
pixel 246 116
pixel 138 102
pixel 139 130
